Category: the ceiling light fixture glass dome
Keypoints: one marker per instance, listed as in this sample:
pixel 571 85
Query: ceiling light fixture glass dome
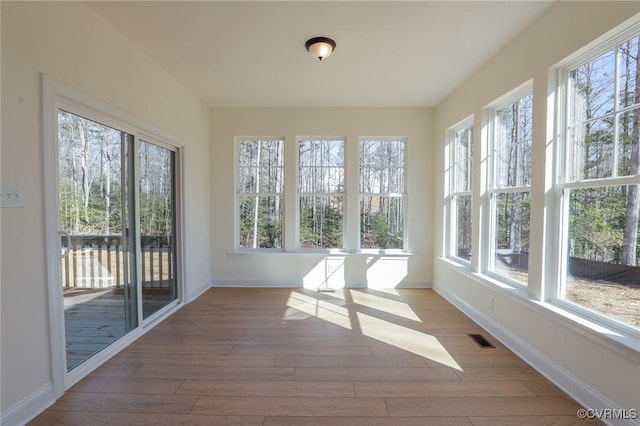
pixel 320 47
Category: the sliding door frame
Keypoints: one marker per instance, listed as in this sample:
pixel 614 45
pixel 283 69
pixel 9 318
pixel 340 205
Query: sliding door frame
pixel 58 95
pixel 143 136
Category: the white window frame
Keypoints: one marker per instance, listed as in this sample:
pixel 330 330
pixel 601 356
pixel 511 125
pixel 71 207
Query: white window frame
pixel 402 195
pixel 451 238
pixel 563 183
pixel 493 190
pixel 237 141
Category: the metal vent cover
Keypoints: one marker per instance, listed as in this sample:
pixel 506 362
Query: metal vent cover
pixel 481 340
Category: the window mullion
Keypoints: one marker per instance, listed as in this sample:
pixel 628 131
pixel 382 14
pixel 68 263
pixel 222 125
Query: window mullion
pixel 602 182
pixel 512 189
pixel 616 104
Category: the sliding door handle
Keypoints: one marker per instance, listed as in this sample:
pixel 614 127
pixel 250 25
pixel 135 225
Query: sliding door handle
pixel 64 252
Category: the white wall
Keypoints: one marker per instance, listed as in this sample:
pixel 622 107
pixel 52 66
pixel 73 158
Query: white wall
pixel 68 41
pixel 592 368
pixel 294 269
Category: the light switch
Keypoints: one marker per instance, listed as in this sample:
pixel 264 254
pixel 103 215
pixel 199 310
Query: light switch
pixel 12 196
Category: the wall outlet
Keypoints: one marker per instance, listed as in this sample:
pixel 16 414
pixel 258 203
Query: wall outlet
pixel 11 196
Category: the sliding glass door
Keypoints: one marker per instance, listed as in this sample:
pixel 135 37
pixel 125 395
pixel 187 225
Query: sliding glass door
pixel 156 167
pixel 98 259
pixel 117 226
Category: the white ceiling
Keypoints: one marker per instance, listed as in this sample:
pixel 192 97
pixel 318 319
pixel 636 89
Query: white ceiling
pixel 389 54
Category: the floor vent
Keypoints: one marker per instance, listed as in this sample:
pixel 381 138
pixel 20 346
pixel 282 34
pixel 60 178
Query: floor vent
pixel 481 341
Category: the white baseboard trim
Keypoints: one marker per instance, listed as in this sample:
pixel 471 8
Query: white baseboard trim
pixel 291 284
pixel 415 284
pixel 27 409
pixel 255 284
pixel 584 394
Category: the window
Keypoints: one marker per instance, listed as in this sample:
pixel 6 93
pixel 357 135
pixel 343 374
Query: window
pixel 599 181
pixel 461 173
pixel 260 189
pixel 321 193
pixel 382 193
pixel 510 189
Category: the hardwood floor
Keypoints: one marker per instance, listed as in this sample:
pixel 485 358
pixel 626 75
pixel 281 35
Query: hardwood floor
pixel 295 357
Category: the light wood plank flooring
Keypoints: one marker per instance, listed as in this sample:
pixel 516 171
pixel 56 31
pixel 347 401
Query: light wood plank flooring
pixel 295 357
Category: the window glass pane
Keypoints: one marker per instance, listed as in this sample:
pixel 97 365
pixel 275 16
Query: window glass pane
pixel 591 154
pixel 260 179
pixel 321 179
pixel 90 176
pixel 260 221
pixel 593 88
pixel 381 222
pixel 628 90
pixel 463 176
pixel 321 153
pixel 513 133
pixel 266 153
pixel 602 259
pixel 463 225
pixel 382 167
pixel 321 219
pixel 321 166
pixel 628 142
pixel 511 256
pixel 261 166
pixel 463 155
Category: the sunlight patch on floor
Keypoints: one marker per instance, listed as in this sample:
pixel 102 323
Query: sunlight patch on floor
pixel 329 312
pixel 410 340
pixel 405 338
pixel 393 307
pixel 380 303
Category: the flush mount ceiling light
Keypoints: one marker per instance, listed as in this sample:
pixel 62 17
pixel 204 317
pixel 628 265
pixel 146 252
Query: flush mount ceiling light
pixel 320 47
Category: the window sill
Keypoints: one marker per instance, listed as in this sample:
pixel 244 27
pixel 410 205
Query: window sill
pixel 627 346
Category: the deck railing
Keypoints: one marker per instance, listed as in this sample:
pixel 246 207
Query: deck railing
pixel 98 261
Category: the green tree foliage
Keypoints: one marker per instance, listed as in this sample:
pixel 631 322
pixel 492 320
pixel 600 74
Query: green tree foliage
pixel 321 222
pixel 596 224
pixel 265 227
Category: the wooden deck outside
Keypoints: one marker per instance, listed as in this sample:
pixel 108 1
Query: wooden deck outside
pixel 95 318
pixel 294 357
